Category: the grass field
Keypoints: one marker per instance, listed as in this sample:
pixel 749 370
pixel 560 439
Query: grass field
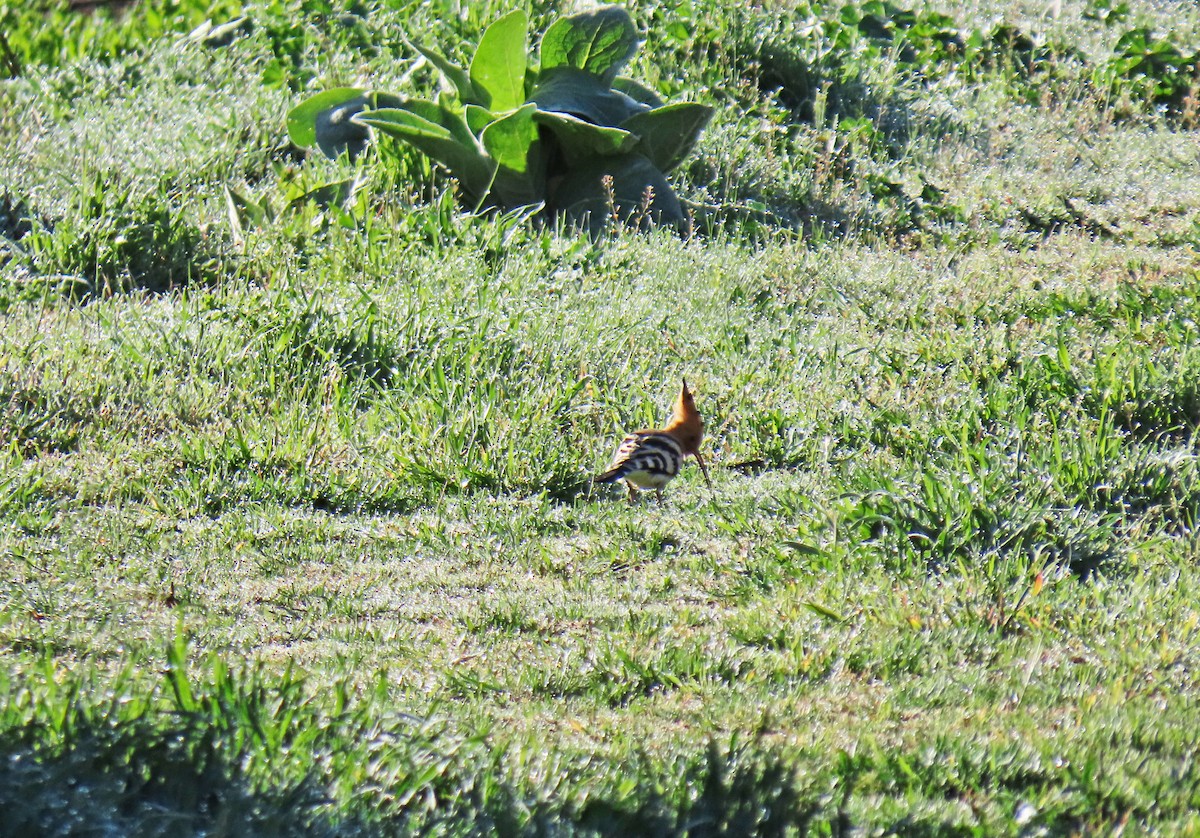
pixel 295 534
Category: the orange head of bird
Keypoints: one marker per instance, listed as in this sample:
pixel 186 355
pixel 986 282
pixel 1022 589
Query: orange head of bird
pixel 687 427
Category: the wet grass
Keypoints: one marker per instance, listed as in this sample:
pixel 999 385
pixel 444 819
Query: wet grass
pixel 295 533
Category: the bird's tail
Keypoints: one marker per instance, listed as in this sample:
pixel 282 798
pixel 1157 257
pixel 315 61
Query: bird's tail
pixel 608 476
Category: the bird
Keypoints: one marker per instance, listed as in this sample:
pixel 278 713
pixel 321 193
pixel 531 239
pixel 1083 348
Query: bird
pixel 648 459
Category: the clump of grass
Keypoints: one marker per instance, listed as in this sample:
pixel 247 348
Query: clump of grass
pixel 145 778
pixel 736 792
pixel 1033 474
pixel 115 241
pixel 72 762
pixel 1151 395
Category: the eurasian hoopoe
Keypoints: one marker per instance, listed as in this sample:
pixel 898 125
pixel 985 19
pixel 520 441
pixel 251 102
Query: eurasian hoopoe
pixel 649 459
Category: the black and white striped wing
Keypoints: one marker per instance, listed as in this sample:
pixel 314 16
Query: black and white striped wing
pixel 646 458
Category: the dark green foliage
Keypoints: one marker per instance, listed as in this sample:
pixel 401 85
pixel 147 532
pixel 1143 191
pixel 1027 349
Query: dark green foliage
pixel 943 517
pixel 1044 471
pixel 1153 70
pixel 144 778
pixel 131 767
pixel 570 135
pixel 15 222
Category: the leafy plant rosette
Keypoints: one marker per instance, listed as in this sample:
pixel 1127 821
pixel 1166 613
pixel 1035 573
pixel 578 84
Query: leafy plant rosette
pixel 571 134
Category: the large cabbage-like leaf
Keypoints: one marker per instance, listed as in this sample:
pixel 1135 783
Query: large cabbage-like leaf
pixel 512 141
pixel 600 42
pixel 583 199
pixel 669 133
pixel 581 94
pixel 498 68
pixel 580 141
pixel 520 136
pixel 453 121
pixel 462 158
pixel 327 120
pixel 302 119
pixel 477 118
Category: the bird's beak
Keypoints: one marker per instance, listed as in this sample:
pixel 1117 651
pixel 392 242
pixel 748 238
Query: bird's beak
pixel 704 470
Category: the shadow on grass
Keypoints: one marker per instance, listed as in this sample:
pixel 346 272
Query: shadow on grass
pixel 140 779
pixel 137 779
pixel 256 753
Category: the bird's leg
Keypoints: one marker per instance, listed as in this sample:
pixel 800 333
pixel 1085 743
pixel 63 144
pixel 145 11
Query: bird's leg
pixel 658 496
pixel 632 493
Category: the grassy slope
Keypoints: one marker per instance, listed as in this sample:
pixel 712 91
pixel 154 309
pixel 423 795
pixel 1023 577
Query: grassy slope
pixel 354 455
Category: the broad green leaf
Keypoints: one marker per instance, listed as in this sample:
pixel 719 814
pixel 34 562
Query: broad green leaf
pixel 600 42
pixel 452 121
pixel 402 122
pixel 573 91
pixel 498 68
pixel 512 142
pixel 638 92
pixel 508 139
pixel 582 198
pixel 477 118
pixel 336 131
pixel 669 133
pixel 302 119
pixel 581 141
pixel 464 161
pixel 454 75
pixel 327 120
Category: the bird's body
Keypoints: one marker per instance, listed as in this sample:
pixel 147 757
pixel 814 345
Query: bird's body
pixel 649 459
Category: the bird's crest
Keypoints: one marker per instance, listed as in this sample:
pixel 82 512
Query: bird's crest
pixel 686 424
